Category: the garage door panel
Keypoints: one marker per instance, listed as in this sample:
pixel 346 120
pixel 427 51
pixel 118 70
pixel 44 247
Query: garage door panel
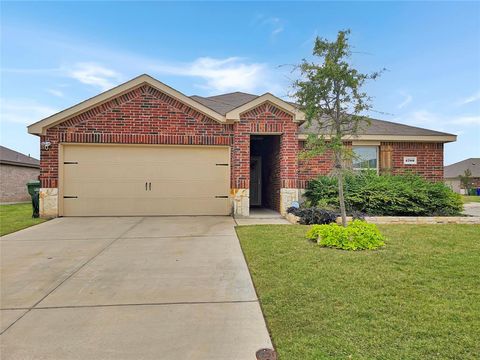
pixel 110 180
pixel 159 189
pixel 144 207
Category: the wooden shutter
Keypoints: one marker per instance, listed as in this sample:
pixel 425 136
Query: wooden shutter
pixel 386 162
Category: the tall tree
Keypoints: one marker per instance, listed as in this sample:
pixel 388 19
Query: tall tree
pixel 329 91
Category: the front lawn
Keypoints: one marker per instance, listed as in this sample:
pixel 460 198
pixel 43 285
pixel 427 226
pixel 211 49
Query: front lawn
pixel 16 217
pixel 417 298
pixel 470 198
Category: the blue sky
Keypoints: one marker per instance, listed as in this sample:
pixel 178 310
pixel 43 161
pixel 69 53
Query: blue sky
pixel 56 54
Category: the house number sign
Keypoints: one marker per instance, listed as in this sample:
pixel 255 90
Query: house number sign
pixel 410 160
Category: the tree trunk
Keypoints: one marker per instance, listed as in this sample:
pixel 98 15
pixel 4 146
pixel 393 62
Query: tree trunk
pixel 341 197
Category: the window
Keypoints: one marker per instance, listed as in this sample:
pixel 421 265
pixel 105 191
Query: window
pixel 366 157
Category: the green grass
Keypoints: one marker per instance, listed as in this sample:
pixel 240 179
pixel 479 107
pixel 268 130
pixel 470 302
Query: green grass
pixel 16 217
pixel 470 198
pixel 416 298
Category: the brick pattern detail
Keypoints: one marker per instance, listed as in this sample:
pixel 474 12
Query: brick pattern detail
pixel 313 167
pixel 265 118
pixel 429 158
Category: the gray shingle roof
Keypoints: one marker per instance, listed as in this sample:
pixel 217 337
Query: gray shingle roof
pixel 12 157
pixel 456 169
pixel 227 102
pixel 382 127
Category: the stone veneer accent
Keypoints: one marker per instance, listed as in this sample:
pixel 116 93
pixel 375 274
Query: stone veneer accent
pixel 48 202
pixel 241 201
pixel 287 197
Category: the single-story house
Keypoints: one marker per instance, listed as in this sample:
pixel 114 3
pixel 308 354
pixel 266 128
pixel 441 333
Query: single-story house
pixel 144 148
pixel 452 174
pixel 16 169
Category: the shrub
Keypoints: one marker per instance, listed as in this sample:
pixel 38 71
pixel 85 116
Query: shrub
pixel 358 235
pixel 388 195
pixel 314 215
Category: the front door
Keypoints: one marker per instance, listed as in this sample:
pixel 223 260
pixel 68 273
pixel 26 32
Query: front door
pixel 255 181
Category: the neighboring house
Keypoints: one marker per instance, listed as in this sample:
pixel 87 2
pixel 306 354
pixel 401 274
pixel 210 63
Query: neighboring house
pixel 143 148
pixel 16 170
pixel 452 174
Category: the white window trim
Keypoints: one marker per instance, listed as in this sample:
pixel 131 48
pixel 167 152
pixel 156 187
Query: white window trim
pixel 377 150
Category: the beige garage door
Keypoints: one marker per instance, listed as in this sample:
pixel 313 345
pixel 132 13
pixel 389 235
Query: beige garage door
pixel 145 180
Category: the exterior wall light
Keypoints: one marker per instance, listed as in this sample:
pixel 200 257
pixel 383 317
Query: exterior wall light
pixel 45 145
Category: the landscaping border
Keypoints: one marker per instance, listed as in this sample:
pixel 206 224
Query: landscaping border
pixel 417 220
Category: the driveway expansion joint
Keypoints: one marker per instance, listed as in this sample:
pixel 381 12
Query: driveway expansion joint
pixel 74 272
pixel 136 304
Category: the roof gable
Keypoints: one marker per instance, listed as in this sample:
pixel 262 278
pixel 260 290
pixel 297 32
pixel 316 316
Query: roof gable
pixel 139 94
pixel 40 127
pixel 235 113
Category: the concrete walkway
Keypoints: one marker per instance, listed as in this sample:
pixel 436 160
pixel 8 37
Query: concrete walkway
pixel 128 288
pixel 261 216
pixel 472 209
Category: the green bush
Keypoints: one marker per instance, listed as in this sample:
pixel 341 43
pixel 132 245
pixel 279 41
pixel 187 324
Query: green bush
pixel 387 195
pixel 358 235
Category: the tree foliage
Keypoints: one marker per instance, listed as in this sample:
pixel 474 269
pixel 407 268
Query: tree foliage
pixel 466 180
pixel 330 93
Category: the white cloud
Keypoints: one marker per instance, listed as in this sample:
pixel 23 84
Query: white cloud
pixel 470 99
pixel 94 74
pixel 54 92
pixel 407 99
pixel 23 111
pixel 467 120
pixel 221 74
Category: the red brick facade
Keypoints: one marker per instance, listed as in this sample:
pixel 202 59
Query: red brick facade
pixel 148 116
pixel 429 161
pixel 263 120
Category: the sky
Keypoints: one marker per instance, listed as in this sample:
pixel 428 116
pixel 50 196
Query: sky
pixel 56 54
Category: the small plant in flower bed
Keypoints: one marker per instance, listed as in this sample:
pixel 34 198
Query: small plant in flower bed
pixel 314 215
pixel 357 235
pixel 317 215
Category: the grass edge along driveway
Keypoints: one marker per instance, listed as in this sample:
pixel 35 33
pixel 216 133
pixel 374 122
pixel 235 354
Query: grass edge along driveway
pixel 14 217
pixel 417 298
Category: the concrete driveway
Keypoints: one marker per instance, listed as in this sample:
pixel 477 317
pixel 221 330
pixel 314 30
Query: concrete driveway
pixel 128 288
